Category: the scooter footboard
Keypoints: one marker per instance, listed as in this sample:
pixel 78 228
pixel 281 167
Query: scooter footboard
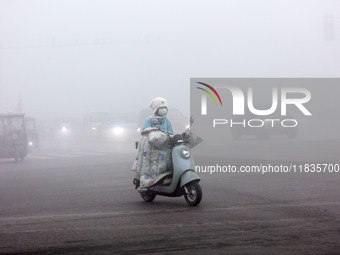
pixel 189 176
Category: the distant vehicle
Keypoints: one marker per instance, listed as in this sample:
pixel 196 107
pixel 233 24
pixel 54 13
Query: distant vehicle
pixel 66 128
pixel 105 126
pixel 96 124
pixel 122 129
pixel 178 121
pixel 32 133
pixel 13 138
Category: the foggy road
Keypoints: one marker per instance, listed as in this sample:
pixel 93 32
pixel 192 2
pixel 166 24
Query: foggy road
pixel 258 81
pixel 69 199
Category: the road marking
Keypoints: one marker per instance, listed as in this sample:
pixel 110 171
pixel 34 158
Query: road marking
pixel 119 151
pixel 61 155
pixel 88 153
pixel 38 157
pixel 71 216
pixel 75 154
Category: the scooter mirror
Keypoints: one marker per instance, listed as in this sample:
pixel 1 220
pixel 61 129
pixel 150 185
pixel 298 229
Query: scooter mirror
pixel 191 120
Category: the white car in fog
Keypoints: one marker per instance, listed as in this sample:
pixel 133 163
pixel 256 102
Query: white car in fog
pixel 107 126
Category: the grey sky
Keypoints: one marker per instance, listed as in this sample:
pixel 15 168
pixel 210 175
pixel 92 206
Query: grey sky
pixel 69 57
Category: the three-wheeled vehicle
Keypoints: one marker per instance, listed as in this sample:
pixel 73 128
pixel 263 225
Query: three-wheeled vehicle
pixel 13 138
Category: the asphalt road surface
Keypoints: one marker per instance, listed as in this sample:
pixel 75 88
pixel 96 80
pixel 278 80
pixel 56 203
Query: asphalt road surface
pixel 79 199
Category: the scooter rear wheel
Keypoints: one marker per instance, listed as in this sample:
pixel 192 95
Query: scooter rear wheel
pixel 195 194
pixel 148 196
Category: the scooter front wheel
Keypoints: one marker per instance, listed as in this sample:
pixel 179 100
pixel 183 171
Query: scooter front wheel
pixel 148 196
pixel 193 193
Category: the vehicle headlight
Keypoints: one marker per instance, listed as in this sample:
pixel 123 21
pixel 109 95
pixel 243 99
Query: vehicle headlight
pixel 118 130
pixel 138 130
pixel 64 129
pixel 94 128
pixel 30 143
pixel 187 126
pixel 186 152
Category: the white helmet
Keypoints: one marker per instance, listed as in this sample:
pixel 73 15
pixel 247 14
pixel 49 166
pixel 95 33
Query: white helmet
pixel 157 103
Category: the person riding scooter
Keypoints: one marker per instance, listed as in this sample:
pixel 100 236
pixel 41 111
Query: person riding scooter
pixel 153 153
pixel 179 178
pixel 159 107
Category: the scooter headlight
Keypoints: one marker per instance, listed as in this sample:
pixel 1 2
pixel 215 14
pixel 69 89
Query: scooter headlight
pixel 186 152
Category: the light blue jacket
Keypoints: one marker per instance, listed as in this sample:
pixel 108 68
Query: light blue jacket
pixel 163 124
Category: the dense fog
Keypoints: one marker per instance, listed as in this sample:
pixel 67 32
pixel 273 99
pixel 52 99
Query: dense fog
pixel 66 58
pixel 82 170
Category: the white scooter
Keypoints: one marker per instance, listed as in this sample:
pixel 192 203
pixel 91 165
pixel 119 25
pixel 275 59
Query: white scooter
pixel 183 181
